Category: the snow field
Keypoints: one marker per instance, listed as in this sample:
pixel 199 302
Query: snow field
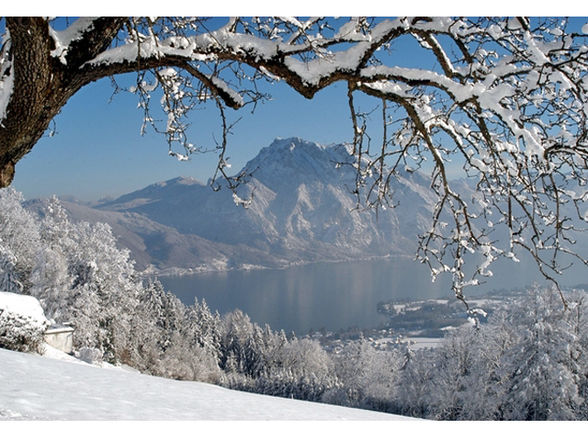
pixel 40 388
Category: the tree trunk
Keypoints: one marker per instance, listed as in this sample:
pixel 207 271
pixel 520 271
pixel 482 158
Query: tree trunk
pixel 42 83
pixel 29 111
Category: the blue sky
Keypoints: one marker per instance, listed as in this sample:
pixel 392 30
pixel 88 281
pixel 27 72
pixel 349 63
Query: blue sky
pixel 98 151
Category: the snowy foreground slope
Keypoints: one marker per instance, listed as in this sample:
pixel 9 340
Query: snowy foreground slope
pixel 45 388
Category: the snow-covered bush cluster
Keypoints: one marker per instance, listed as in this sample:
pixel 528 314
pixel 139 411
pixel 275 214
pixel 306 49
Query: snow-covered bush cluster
pixel 22 323
pixel 260 360
pixel 528 362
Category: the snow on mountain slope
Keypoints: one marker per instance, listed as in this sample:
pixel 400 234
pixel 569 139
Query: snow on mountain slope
pixel 33 387
pixel 303 209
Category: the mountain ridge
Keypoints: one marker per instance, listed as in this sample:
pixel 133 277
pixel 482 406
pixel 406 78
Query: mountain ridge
pixel 302 211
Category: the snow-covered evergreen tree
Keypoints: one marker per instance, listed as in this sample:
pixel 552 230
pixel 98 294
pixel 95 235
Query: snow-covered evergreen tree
pixel 542 368
pixel 203 328
pixel 51 283
pixel 19 243
pixel 414 383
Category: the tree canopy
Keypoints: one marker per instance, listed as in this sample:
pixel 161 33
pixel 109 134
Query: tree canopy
pixel 506 99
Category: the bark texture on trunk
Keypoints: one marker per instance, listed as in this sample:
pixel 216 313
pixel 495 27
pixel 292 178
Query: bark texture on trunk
pixel 42 84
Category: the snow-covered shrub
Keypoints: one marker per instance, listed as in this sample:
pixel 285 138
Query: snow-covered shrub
pixel 189 363
pixel 301 368
pixel 90 355
pixel 366 376
pixel 22 323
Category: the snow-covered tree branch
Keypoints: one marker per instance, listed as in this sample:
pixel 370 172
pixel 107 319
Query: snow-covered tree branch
pixel 505 99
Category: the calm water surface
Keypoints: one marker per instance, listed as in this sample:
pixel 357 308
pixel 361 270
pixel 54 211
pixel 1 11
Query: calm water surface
pixel 332 296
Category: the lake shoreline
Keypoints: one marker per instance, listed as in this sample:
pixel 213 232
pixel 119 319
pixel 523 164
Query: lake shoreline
pixel 182 272
pixel 330 295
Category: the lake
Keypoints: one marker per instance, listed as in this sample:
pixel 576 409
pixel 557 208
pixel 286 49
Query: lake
pixel 332 296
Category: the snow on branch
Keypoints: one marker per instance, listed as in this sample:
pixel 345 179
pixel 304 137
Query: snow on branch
pixel 74 32
pixel 6 75
pixel 502 112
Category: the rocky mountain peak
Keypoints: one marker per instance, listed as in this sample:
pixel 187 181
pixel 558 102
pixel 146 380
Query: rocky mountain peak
pixel 295 160
pixel 302 211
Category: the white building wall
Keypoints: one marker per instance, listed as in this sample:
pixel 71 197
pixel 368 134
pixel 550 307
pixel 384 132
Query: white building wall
pixel 60 338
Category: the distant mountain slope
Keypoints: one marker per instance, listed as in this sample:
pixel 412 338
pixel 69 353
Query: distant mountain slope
pixel 302 210
pixel 162 249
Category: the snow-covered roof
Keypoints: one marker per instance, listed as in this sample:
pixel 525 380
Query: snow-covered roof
pixel 23 305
